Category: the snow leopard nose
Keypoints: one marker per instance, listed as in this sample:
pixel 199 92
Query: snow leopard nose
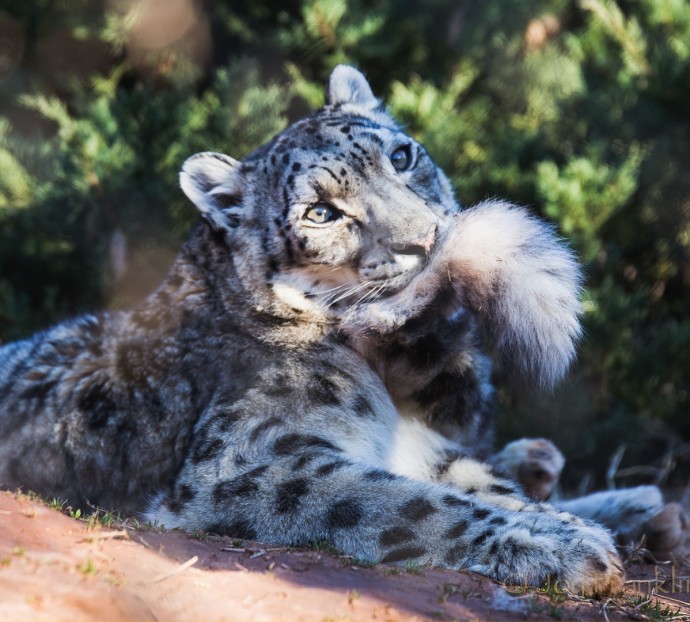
pixel 417 246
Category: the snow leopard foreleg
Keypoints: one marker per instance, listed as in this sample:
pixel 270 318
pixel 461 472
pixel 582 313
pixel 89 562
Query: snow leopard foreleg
pixel 297 485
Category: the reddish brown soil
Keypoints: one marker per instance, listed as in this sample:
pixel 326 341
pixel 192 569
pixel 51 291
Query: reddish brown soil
pixel 53 567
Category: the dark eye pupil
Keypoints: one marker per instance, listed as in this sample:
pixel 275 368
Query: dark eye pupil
pixel 400 158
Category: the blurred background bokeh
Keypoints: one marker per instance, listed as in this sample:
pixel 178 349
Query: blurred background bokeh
pixel 577 108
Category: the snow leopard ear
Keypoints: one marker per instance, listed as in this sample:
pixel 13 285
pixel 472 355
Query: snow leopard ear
pixel 212 182
pixel 349 86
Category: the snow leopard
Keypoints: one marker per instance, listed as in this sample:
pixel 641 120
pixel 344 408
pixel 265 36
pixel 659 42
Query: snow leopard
pixel 317 366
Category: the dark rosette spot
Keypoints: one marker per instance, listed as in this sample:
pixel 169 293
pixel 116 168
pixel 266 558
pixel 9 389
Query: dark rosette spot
pixel 289 494
pixel 344 514
pixel 417 509
pixel 395 536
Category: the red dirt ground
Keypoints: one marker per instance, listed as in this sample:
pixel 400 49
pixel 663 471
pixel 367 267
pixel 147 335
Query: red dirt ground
pixel 53 567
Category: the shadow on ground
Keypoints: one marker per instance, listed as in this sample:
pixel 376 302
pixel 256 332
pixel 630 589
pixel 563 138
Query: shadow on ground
pixel 54 567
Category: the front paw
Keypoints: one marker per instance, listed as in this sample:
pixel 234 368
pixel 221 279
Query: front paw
pixel 550 550
pixel 372 319
pixel 592 564
pixel 535 463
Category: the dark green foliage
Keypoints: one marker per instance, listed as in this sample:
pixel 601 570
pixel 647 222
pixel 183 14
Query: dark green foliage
pixel 577 108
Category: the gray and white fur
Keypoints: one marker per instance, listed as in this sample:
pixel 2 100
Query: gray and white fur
pixel 314 366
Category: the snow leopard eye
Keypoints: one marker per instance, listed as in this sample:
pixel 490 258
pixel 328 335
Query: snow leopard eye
pixel 401 158
pixel 322 213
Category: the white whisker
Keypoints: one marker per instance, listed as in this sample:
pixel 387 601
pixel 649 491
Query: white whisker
pixel 332 289
pixel 349 293
pixel 372 294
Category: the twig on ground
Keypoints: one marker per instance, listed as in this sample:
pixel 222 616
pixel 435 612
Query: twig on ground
pixel 124 534
pixel 178 570
pixel 603 610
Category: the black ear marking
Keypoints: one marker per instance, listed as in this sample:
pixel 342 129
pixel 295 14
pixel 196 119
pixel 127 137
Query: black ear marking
pixel 226 201
pixel 202 181
pixel 228 204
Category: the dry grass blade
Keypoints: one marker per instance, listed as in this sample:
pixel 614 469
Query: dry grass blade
pixel 614 463
pixel 108 535
pixel 178 570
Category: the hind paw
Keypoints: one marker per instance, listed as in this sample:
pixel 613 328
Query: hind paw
pixel 637 516
pixel 666 533
pixel 535 463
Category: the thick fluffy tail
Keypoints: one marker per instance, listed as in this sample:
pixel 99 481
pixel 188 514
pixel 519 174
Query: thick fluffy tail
pixel 522 283
pixel 513 273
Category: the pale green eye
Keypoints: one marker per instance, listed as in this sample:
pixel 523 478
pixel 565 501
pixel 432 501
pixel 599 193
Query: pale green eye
pixel 321 214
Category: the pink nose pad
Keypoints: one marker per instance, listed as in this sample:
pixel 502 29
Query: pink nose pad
pixel 418 246
pixel 427 241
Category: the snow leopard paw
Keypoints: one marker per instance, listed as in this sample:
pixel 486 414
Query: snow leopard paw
pixel 545 549
pixel 667 532
pixel 535 463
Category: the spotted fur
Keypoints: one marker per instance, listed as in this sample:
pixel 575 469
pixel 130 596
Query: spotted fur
pixel 314 366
